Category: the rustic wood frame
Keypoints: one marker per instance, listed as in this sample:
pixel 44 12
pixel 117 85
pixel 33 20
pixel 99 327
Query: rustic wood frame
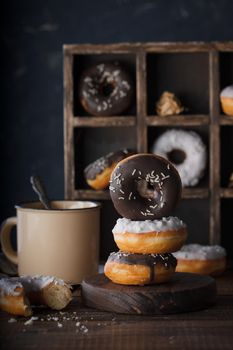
pixel 214 120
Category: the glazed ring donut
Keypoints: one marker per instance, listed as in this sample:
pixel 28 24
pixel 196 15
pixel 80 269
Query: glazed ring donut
pixel 97 174
pixel 105 89
pixel 226 99
pixel 139 269
pixel 186 150
pixel 147 237
pixel 145 186
pixel 17 293
pixel 204 260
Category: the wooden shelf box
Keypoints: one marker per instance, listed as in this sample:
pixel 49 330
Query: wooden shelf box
pixel 196 72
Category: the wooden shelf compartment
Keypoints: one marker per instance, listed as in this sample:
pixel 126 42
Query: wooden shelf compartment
pixel 196 72
pixel 181 120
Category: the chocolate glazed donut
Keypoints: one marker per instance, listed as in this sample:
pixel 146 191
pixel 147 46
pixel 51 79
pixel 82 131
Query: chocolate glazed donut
pixel 145 187
pixel 150 260
pixel 105 89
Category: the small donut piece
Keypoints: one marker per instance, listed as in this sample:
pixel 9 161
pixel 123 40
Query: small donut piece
pixel 139 269
pixel 204 260
pixel 146 237
pixel 226 99
pixel 189 148
pixel 168 104
pixel 145 186
pixel 97 174
pixel 13 298
pixel 105 89
pixel 17 293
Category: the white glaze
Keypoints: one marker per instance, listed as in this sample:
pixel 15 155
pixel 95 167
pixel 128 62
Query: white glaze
pixel 124 225
pixel 200 252
pixel 227 91
pixel 191 143
pixel 8 286
pixel 30 284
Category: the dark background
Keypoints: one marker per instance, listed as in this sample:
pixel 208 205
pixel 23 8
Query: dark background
pixel 32 35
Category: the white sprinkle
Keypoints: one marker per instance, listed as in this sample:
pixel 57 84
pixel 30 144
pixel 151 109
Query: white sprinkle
pixel 130 195
pixel 12 320
pixel 153 206
pixel 164 176
pixel 161 199
pixel 139 172
pixel 122 191
pixel 60 325
pixel 117 176
pixel 55 318
pixel 30 321
pixel 121 198
pixel 168 166
pixel 162 204
pixel 77 324
pixel 148 211
pixel 105 106
pixel 134 171
pixel 112 188
pixel 142 213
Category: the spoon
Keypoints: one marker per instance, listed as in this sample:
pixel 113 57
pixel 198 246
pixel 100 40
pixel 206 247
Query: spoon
pixel 39 188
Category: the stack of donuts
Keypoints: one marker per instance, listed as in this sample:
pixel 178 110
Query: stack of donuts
pixel 145 189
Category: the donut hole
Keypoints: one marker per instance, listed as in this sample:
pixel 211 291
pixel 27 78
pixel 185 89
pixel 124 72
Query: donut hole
pixel 146 190
pixel 106 89
pixel 176 156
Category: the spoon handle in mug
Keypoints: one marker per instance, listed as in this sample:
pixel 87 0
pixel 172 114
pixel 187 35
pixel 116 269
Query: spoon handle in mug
pixel 39 188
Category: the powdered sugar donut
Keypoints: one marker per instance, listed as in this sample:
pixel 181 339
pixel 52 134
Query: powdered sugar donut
pixel 186 150
pixel 16 293
pixel 197 258
pixel 150 236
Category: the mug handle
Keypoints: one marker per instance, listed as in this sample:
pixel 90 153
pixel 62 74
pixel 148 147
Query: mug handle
pixel 7 248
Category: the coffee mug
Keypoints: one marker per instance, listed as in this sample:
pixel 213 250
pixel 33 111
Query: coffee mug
pixel 62 242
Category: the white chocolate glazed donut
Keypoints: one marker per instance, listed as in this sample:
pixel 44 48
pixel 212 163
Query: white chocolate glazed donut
pixel 147 237
pixel 197 258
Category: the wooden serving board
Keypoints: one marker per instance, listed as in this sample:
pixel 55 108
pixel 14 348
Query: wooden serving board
pixel 185 292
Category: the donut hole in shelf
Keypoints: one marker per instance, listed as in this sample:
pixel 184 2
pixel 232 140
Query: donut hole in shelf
pixel 146 190
pixel 176 156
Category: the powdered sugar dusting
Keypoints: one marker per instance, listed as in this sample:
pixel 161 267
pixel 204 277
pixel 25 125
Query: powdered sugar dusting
pixel 200 252
pixel 124 225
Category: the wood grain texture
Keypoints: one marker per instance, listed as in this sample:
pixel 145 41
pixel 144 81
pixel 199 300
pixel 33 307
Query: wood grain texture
pixel 200 330
pixel 142 121
pixel 185 292
pixel 214 142
pixel 68 127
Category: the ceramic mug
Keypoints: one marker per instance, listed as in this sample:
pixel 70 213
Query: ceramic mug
pixel 62 242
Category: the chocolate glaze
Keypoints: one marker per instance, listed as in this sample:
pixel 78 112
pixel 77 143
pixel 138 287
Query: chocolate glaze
pixel 105 89
pixel 129 195
pixel 150 260
pixel 99 165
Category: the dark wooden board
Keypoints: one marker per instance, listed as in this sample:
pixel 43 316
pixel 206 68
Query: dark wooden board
pixel 185 292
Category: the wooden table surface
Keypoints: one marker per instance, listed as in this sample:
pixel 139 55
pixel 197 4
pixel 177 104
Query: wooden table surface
pixel 78 327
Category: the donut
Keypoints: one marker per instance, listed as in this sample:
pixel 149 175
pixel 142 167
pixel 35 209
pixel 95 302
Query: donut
pixel 105 89
pixel 158 236
pixel 97 174
pixel 145 186
pixel 186 150
pixel 204 260
pixel 17 294
pixel 226 99
pixel 139 269
pixel 168 104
